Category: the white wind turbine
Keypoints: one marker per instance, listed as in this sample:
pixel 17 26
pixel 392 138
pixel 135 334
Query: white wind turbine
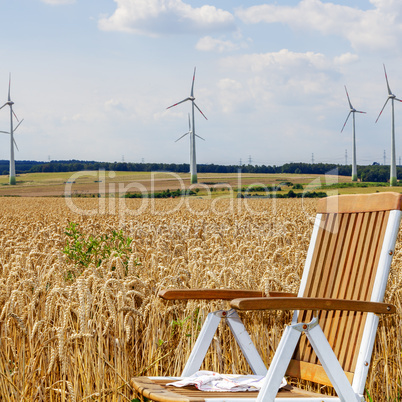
pixel 193 163
pixel 11 132
pixel 189 131
pixel 393 174
pixel 352 111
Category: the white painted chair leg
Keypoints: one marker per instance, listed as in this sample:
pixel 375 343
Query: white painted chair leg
pixel 331 364
pixel 279 364
pixel 241 336
pixel 245 343
pixel 202 344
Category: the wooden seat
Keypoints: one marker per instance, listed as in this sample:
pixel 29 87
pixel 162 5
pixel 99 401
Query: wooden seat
pixel 330 339
pixel 157 390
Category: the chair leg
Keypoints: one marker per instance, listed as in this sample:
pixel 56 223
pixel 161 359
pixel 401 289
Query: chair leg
pixel 331 364
pixel 207 334
pixel 324 352
pixel 202 344
pixel 279 364
pixel 245 343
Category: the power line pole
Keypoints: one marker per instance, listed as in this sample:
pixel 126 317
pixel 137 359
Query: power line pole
pixel 384 158
pixel 312 158
pixel 249 160
pixel 346 157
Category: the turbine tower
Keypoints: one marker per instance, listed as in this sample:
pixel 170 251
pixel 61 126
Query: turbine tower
pixel 193 163
pixel 11 132
pixel 393 174
pixel 352 111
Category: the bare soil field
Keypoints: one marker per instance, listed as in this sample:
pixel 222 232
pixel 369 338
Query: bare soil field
pixel 89 183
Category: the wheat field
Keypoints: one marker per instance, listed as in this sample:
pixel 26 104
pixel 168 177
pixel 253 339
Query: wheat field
pixel 79 312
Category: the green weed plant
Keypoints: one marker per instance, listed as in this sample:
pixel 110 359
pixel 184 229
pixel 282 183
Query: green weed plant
pixel 84 250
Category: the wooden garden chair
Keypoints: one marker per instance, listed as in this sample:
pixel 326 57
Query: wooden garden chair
pixel 331 337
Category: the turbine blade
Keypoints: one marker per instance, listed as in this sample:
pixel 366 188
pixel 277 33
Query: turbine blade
pixel 5 132
pixel 386 77
pixel 192 85
pixel 348 98
pixel 178 103
pixel 189 124
pixel 347 118
pixel 3 106
pixel 200 137
pixel 18 125
pixel 358 111
pixel 200 110
pixel 16 146
pixel 182 136
pixel 382 109
pixel 15 115
pixel 9 88
pixel 398 99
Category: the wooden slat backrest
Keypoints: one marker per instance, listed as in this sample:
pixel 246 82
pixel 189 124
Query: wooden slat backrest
pixel 343 266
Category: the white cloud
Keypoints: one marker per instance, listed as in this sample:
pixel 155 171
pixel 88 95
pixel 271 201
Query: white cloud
pixel 209 44
pixel 232 96
pixel 284 60
pixel 114 105
pixel 346 58
pixel 375 28
pixel 157 17
pixel 271 81
pixel 229 84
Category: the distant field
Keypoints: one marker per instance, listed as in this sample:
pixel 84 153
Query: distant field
pixel 92 183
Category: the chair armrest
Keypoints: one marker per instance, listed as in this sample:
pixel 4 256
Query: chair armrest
pixel 281 294
pixel 207 294
pixel 306 303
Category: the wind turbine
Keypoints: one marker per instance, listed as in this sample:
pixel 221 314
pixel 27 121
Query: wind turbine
pixel 12 140
pixel 193 163
pixel 393 175
pixel 352 111
pixel 189 131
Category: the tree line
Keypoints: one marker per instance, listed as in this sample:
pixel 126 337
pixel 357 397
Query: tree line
pixel 367 173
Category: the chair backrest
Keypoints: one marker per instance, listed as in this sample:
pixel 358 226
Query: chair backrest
pixel 349 258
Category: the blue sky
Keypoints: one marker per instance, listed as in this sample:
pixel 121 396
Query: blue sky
pixel 92 79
